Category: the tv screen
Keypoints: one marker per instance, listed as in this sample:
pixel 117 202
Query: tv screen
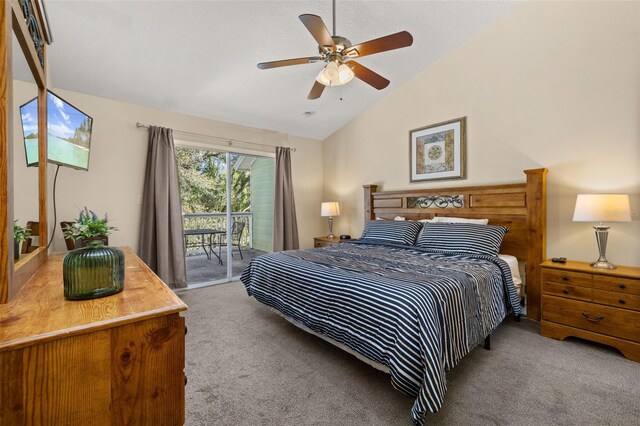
pixel 29 114
pixel 68 133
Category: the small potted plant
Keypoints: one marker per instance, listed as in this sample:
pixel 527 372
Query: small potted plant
pixel 19 235
pixel 89 229
pixel 93 270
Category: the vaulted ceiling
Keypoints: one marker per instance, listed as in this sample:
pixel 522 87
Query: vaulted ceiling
pixel 200 58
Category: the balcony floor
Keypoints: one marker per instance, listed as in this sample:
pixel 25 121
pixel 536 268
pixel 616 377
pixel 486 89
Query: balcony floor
pixel 200 269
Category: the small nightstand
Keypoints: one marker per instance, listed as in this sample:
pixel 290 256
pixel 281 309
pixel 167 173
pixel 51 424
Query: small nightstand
pixel 326 241
pixel 601 305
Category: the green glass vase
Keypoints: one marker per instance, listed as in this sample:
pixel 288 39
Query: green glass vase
pixel 93 271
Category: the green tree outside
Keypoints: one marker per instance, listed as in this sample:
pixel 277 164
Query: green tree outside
pixel 203 182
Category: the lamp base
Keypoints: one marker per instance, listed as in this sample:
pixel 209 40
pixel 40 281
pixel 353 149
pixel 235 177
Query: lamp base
pixel 602 232
pixel 603 265
pixel 330 227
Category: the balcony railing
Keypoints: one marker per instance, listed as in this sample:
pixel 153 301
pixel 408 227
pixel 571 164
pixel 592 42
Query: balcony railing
pixel 216 221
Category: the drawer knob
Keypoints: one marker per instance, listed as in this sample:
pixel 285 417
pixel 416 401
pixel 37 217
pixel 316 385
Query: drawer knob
pixel 565 291
pixel 622 286
pixel 622 302
pixel 592 319
pixel 565 278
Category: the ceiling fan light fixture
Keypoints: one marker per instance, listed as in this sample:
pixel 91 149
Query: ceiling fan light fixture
pixel 335 75
pixel 345 73
pixel 322 78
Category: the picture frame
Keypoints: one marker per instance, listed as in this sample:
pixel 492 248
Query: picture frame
pixel 438 151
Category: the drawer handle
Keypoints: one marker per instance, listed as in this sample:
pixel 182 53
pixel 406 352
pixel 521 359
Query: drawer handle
pixel 588 317
pixel 565 291
pixel 621 301
pixel 565 278
pixel 622 286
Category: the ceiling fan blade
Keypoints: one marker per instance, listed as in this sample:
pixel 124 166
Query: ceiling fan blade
pixel 287 62
pixel 319 31
pixel 365 74
pixel 382 44
pixel 316 90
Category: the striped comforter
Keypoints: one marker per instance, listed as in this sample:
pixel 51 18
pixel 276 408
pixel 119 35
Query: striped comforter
pixel 416 312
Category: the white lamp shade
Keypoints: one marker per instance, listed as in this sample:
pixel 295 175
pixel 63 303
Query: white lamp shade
pixel 335 74
pixel 602 208
pixel 345 74
pixel 330 208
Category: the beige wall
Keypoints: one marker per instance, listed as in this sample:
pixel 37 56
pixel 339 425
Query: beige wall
pixel 115 178
pixel 553 84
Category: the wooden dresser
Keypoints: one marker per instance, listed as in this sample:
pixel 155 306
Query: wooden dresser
pixel 326 241
pixel 117 360
pixel 595 304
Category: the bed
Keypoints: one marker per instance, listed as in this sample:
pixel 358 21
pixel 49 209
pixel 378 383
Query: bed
pixel 413 310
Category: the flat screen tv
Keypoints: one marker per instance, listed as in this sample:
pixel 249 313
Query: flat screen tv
pixel 68 133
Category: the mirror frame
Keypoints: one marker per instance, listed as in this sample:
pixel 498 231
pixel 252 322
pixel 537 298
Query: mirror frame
pixel 13 276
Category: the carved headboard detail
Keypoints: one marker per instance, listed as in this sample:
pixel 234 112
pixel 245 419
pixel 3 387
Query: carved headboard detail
pixel 521 207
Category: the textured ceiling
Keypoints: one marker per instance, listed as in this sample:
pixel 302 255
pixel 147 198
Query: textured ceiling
pixel 200 58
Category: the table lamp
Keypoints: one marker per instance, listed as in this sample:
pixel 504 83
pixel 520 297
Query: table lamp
pixel 602 208
pixel 330 209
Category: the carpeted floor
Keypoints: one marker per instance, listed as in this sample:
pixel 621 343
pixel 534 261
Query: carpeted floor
pixel 247 366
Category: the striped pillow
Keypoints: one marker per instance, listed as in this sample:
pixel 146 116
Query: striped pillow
pixel 462 237
pixel 392 231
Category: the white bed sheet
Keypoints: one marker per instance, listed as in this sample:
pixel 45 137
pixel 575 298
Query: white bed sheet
pixel 512 261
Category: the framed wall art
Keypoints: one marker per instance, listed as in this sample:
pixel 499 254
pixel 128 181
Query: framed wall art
pixel 437 152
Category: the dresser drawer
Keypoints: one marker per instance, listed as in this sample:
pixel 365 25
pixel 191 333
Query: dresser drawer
pixel 317 244
pixel 565 290
pixel 616 322
pixel 621 300
pixel 567 277
pixel 622 285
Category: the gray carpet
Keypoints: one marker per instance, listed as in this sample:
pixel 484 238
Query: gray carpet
pixel 248 366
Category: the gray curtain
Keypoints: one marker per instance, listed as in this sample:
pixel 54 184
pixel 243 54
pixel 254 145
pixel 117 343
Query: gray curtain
pixel 285 225
pixel 161 240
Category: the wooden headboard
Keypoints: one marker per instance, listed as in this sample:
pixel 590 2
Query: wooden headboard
pixel 521 207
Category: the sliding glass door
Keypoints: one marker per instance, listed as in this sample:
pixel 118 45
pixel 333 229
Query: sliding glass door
pixel 227 202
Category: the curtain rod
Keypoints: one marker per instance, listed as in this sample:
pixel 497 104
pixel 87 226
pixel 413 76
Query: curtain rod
pixel 229 141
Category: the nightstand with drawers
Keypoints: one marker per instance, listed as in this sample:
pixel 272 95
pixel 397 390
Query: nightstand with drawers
pixel 326 241
pixel 600 305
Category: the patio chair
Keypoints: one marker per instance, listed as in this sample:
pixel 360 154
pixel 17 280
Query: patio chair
pixel 236 236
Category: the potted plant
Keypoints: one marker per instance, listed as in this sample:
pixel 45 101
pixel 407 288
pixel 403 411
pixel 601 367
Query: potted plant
pixel 19 235
pixel 93 270
pixel 89 229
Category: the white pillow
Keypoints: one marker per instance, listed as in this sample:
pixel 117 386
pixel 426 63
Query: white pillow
pixel 512 261
pixel 443 219
pixel 395 218
pixel 428 220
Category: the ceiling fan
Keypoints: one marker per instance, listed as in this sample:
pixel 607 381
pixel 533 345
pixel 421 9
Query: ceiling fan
pixel 339 55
